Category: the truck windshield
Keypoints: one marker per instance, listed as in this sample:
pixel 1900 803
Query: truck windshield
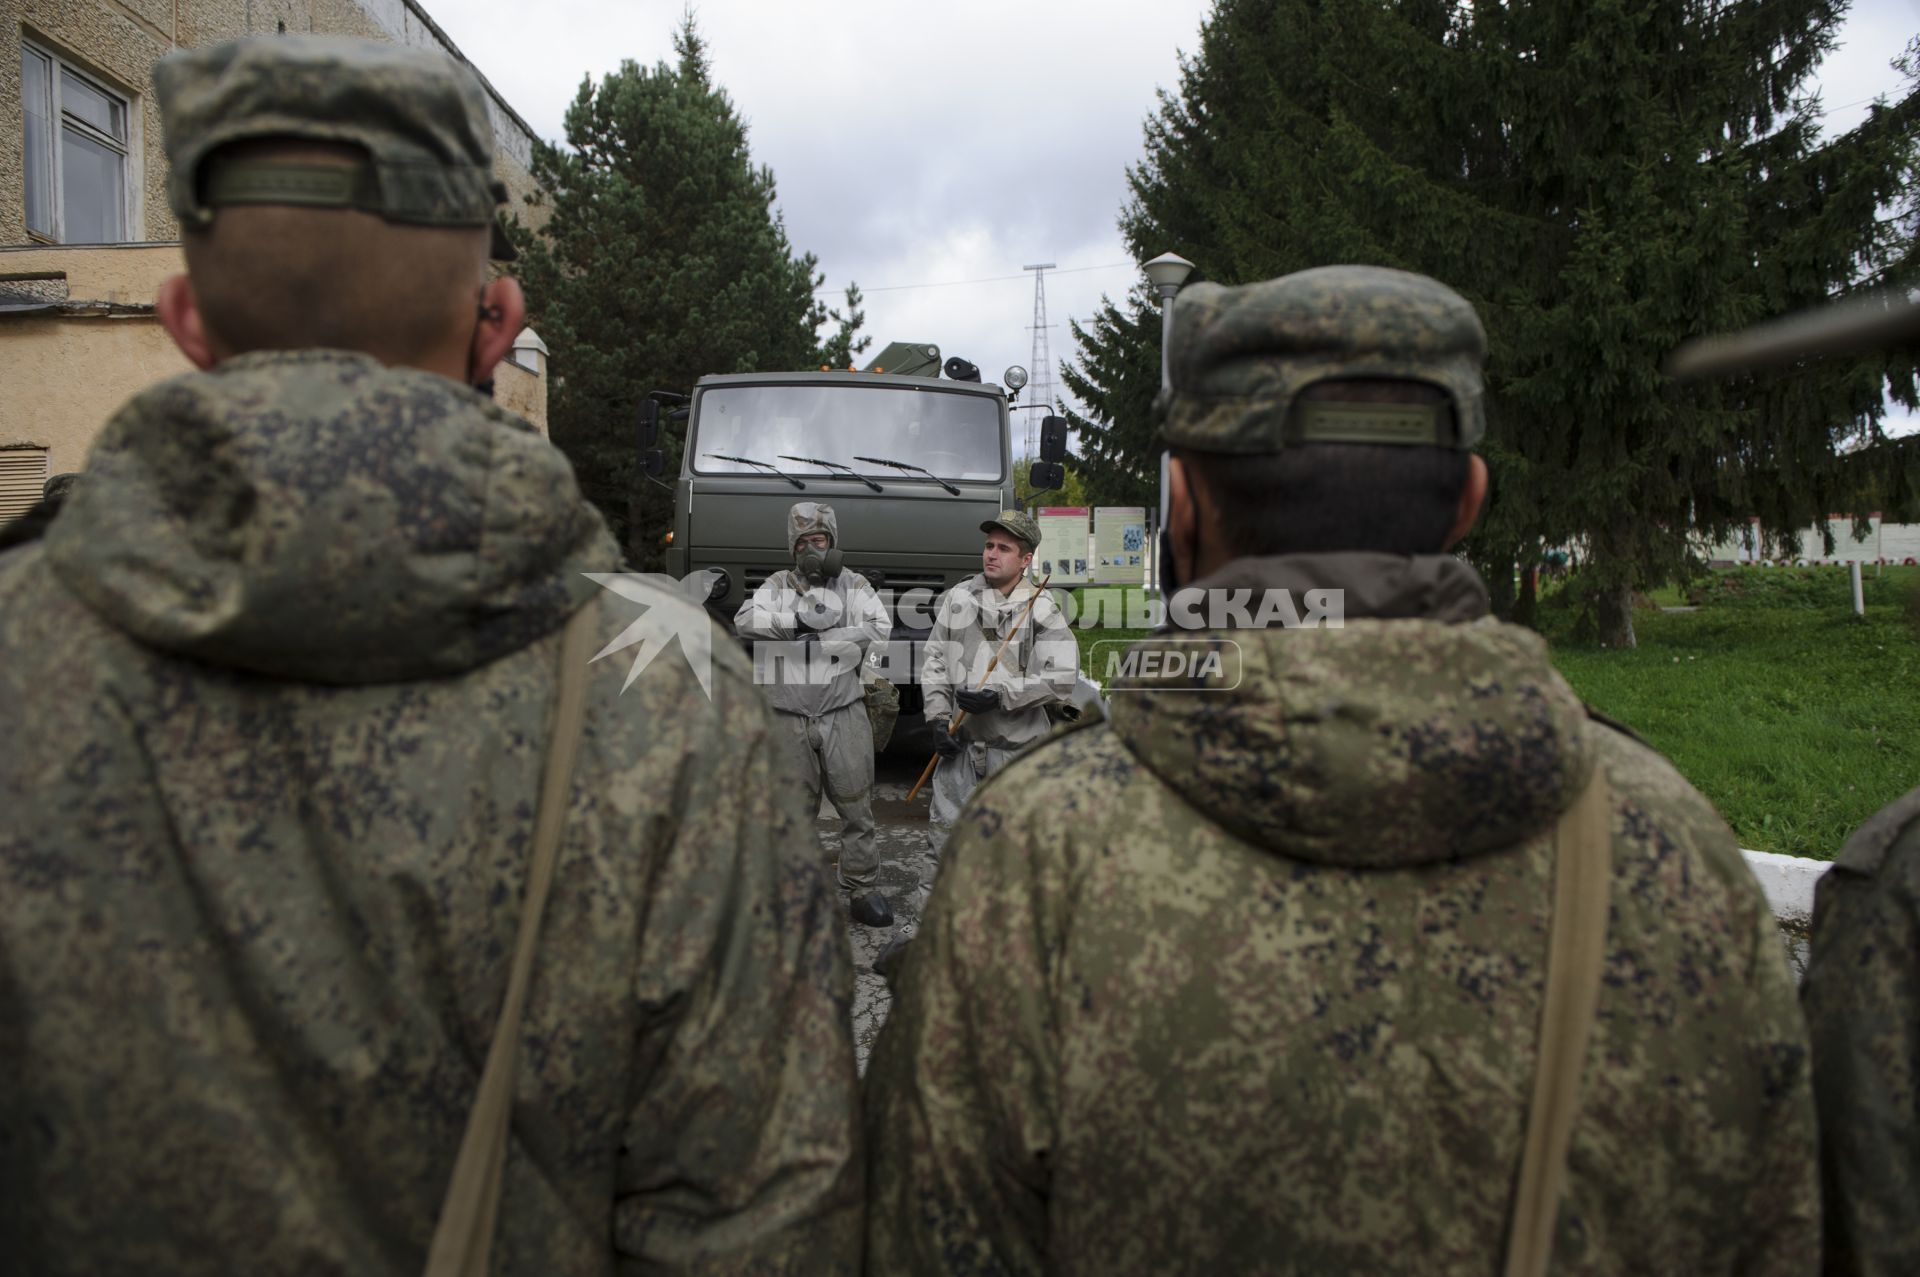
pixel 956 436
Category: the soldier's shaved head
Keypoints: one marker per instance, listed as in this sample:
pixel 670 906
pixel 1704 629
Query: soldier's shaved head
pixel 283 277
pixel 1321 497
pixel 334 194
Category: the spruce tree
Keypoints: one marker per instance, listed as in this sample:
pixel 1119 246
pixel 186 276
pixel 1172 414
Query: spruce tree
pixel 664 260
pixel 840 350
pixel 1601 181
pixel 1117 378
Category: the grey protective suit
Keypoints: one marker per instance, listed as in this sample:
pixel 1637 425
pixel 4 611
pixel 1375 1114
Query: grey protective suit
pixel 815 690
pixel 1038 669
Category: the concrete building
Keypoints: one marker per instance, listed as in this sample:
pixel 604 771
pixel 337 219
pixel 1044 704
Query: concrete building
pixel 85 232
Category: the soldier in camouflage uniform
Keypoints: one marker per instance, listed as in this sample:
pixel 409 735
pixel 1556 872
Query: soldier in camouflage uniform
pixel 1247 978
pixel 1862 997
pixel 281 679
pixel 1862 988
pixel 1008 712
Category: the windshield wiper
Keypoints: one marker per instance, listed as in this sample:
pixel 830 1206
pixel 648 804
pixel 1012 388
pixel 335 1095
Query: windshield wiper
pixel 901 465
pixel 749 461
pixel 833 465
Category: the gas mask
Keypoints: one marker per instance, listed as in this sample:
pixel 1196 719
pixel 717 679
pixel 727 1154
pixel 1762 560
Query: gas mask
pixel 818 566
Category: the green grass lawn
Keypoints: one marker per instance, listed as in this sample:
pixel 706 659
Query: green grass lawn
pixel 1111 636
pixel 1797 719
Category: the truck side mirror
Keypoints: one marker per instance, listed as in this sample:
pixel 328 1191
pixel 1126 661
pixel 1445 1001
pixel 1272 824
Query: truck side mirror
pixel 653 461
pixel 649 424
pixel 1047 476
pixel 1053 439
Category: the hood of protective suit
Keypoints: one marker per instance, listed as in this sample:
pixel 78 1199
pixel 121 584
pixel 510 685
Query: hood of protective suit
pixel 1420 731
pixel 808 517
pixel 315 515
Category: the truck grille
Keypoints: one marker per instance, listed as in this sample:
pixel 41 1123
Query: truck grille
pixel 894 582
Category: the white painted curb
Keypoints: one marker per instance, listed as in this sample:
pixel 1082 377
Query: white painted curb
pixel 1788 882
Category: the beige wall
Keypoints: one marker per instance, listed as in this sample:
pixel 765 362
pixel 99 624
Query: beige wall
pixel 119 40
pixel 63 375
pixel 517 390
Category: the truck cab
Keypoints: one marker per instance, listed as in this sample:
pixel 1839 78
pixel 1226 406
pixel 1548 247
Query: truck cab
pixel 912 464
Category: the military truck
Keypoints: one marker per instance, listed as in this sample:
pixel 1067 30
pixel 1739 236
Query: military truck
pixel 911 461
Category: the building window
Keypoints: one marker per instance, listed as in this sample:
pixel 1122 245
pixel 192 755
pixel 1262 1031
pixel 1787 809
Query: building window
pixel 76 154
pixel 23 473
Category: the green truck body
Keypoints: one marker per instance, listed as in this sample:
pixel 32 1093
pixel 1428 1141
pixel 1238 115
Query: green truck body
pixel 913 534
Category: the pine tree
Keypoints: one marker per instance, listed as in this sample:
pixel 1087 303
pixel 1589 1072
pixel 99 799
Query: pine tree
pixel 1601 181
pixel 664 260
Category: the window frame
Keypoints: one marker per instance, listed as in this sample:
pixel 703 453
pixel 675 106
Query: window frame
pixel 58 121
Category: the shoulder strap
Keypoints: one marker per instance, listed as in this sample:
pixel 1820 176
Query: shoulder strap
pixel 1594 715
pixel 1576 954
pixel 463 1238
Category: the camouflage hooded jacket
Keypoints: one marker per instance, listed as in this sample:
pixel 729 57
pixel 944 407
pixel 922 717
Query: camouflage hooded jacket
pixel 279 684
pixel 1248 979
pixel 1862 996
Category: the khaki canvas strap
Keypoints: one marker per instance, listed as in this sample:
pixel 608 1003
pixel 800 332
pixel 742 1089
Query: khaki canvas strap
pixel 463 1239
pixel 1576 954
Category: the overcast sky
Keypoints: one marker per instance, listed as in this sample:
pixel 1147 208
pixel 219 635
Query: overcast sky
pixel 919 146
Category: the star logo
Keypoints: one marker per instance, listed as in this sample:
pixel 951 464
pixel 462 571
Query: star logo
pixel 670 610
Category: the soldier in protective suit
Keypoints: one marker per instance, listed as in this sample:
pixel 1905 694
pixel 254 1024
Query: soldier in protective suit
pixel 281 680
pixel 1249 976
pixel 830 618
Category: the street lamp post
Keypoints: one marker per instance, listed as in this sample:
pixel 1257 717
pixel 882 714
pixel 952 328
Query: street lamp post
pixel 1166 273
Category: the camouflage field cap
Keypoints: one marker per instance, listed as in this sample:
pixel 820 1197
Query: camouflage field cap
pixel 1017 524
pixel 1240 357
pixel 420 117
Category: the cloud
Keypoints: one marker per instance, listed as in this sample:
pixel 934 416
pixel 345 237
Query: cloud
pixel 908 149
pixel 916 146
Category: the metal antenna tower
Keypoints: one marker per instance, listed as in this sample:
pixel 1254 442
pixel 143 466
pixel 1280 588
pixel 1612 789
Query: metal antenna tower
pixel 1040 389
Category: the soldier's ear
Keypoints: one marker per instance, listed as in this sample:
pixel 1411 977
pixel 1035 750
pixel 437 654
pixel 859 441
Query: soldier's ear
pixel 180 316
pixel 1183 519
pixel 1473 499
pixel 503 313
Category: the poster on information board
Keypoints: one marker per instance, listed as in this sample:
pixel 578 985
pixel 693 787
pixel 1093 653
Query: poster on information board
pixel 1119 544
pixel 1063 544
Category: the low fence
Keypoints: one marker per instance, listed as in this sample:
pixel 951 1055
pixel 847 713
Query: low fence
pixel 1788 882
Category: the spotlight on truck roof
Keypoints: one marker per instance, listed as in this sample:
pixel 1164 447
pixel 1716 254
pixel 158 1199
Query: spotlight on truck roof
pixel 1014 378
